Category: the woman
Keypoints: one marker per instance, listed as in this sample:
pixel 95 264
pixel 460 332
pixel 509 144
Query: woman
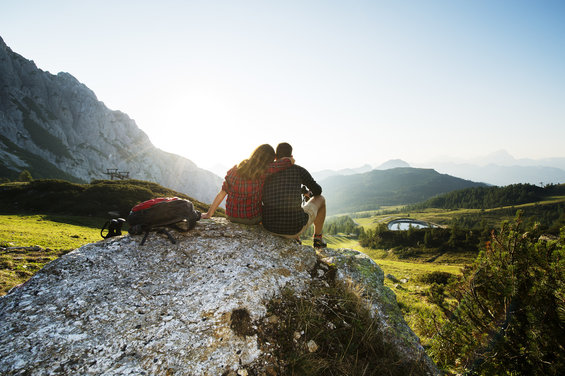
pixel 243 185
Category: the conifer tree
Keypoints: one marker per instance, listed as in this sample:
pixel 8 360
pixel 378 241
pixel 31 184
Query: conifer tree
pixel 510 311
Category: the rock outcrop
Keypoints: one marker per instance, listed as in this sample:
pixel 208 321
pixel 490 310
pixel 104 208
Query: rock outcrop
pixel 190 308
pixel 55 127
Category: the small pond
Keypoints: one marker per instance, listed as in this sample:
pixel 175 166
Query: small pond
pixel 406 223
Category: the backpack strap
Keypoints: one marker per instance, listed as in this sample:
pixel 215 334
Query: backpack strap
pixel 145 237
pixel 159 231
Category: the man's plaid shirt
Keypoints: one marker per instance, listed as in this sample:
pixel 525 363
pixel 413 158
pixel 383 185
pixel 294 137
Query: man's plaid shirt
pixel 282 200
pixel 244 195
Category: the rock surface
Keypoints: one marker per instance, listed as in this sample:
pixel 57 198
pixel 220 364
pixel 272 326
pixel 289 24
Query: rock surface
pixel 118 308
pixel 358 268
pixel 55 127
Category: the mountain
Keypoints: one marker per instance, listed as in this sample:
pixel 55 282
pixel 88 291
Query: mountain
pixel 500 168
pixel 393 163
pixel 396 186
pixel 324 174
pixel 504 158
pixel 224 300
pixel 504 175
pixel 55 127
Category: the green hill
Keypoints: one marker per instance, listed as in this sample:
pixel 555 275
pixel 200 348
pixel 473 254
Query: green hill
pixel 95 199
pixel 397 186
pixel 492 197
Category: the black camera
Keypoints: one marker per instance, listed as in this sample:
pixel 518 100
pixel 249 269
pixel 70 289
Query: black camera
pixel 306 194
pixel 114 228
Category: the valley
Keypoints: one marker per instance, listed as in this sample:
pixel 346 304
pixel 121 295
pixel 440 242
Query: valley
pixel 422 266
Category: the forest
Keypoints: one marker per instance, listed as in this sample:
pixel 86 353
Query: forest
pixel 491 197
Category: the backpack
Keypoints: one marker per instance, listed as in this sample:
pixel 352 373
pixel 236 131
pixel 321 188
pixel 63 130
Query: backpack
pixel 159 213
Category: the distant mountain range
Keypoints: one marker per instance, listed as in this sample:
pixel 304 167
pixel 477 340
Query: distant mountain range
pixel 501 169
pixel 324 174
pixel 498 168
pixel 55 127
pixel 397 186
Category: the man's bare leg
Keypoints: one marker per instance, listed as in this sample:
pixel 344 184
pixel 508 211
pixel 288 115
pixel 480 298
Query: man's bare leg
pixel 320 203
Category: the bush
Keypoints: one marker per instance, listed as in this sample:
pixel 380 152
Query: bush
pixel 437 277
pixel 509 316
pixel 95 199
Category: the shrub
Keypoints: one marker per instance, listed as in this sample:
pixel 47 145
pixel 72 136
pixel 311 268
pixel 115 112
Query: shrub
pixel 440 278
pixel 95 199
pixel 510 308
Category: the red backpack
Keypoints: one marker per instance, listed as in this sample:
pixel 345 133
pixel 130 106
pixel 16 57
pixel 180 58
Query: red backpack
pixel 161 213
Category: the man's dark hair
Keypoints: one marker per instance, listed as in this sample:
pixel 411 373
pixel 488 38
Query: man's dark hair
pixel 284 150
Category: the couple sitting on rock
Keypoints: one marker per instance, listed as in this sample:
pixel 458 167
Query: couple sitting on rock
pixel 267 189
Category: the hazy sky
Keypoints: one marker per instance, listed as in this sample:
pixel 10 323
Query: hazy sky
pixel 345 82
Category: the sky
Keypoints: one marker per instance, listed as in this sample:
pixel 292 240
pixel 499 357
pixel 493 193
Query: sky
pixel 346 83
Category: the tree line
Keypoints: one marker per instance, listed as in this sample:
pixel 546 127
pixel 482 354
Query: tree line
pixel 490 197
pixel 337 225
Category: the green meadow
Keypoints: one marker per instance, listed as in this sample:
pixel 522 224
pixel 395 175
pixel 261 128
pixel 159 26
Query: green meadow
pixel 28 242
pixel 415 279
pixel 412 289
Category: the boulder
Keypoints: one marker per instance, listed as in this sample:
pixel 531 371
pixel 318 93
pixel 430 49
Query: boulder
pixel 191 308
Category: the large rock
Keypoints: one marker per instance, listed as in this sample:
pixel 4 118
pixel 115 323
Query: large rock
pixel 54 126
pixel 354 266
pixel 191 308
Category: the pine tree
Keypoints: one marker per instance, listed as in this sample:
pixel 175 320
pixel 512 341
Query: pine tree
pixel 509 317
pixel 25 175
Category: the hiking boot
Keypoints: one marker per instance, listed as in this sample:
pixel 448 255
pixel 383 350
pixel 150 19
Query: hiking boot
pixel 319 243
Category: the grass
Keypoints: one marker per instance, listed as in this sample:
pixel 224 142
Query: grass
pixel 48 231
pixel 492 216
pixel 28 242
pixel 413 295
pixel 328 330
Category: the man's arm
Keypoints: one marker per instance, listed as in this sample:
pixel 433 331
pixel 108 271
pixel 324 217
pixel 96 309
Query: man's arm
pixel 309 182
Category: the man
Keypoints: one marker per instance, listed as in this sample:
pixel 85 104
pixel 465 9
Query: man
pixel 283 213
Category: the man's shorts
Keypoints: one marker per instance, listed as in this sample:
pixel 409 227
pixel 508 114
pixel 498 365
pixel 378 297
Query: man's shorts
pixel 312 210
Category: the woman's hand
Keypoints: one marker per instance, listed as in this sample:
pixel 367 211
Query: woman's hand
pixel 217 201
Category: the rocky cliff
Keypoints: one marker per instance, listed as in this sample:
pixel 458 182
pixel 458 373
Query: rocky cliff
pixel 55 127
pixel 191 308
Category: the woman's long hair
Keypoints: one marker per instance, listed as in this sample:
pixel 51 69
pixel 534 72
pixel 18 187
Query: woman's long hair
pixel 256 165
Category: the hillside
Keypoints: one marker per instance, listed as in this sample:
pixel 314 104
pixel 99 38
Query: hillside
pixel 397 186
pixel 55 127
pixel 95 199
pixel 492 197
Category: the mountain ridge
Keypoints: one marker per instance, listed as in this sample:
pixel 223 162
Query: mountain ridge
pixel 55 127
pixel 397 186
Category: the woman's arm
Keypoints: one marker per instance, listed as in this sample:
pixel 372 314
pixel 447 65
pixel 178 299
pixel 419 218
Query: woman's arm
pixel 217 201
